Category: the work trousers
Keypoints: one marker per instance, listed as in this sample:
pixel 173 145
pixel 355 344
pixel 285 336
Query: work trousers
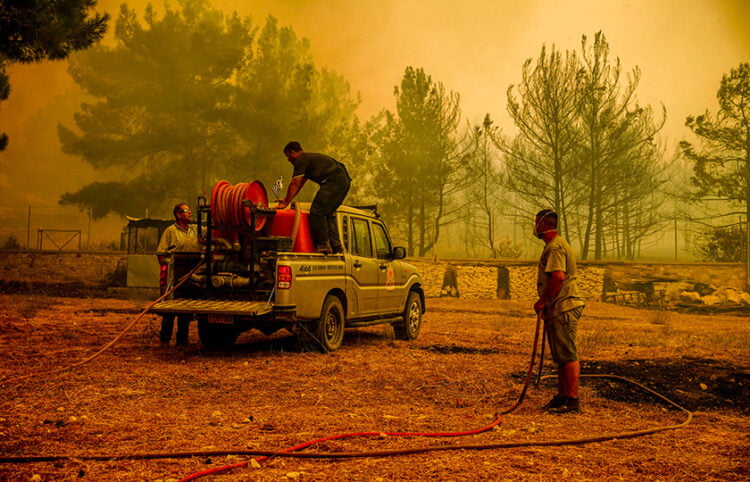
pixel 167 326
pixel 322 218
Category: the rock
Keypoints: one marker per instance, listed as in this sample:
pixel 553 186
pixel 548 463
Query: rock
pixel 732 295
pixel 710 300
pixel 690 296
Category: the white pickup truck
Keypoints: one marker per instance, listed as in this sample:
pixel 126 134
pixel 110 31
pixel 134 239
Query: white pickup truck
pixel 257 280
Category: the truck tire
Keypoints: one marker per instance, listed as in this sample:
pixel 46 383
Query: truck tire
pixel 215 336
pixel 327 333
pixel 409 328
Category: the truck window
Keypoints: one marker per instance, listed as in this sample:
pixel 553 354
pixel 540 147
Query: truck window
pixel 382 244
pixel 345 232
pixel 361 244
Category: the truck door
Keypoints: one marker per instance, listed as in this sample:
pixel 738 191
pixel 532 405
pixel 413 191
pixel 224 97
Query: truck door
pixel 364 267
pixel 389 293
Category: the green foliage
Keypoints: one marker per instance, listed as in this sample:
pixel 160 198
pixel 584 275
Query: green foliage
pixel 721 160
pixel 541 164
pixel 283 96
pixel 39 30
pixel 162 91
pixel 723 244
pixel 31 31
pixel 11 243
pixel 104 197
pixel 195 96
pixel 418 159
pixel 484 191
pixel 586 149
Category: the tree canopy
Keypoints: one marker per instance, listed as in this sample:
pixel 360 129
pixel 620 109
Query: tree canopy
pixel 721 157
pixel 585 148
pixel 418 158
pixel 194 96
pixel 32 31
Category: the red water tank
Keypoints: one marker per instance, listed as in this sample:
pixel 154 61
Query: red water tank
pixel 282 224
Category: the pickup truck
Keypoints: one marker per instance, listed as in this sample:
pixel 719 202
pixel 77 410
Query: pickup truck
pixel 256 280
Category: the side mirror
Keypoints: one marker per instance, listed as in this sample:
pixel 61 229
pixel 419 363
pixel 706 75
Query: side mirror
pixel 399 252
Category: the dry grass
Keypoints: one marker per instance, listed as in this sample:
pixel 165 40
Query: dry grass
pixel 465 366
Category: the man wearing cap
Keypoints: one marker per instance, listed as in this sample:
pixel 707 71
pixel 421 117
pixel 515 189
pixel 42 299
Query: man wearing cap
pixel 560 307
pixel 334 182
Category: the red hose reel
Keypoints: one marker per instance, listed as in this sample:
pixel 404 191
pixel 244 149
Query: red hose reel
pixel 228 213
pixel 227 208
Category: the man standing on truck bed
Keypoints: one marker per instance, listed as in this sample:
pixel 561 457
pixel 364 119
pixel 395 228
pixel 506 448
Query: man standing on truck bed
pixel 560 307
pixel 334 183
pixel 178 237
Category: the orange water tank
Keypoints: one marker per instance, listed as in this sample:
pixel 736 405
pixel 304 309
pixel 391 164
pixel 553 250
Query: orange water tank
pixel 282 224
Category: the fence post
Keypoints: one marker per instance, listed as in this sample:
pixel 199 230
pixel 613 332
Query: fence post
pixel 28 229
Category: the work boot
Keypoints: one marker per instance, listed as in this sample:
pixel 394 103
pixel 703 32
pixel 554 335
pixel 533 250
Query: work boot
pixel 556 402
pixel 571 405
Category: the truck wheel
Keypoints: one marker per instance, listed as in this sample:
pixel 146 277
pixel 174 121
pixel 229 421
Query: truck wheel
pixel 326 333
pixel 216 337
pixel 409 328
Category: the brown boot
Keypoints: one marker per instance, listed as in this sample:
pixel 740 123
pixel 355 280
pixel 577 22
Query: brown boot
pixel 571 405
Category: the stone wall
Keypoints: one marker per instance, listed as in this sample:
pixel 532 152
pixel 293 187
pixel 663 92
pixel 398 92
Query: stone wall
pixel 597 280
pixel 472 279
pixel 63 267
pixel 483 280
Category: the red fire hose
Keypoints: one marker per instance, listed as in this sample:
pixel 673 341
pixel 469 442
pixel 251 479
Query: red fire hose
pixel 295 451
pixel 498 419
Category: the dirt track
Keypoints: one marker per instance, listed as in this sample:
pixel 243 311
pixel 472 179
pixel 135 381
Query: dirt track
pixel 467 365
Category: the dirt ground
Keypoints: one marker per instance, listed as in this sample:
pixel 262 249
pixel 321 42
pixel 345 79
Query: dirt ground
pixel 467 365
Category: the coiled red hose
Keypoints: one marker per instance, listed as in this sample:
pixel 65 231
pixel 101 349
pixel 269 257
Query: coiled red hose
pixel 227 208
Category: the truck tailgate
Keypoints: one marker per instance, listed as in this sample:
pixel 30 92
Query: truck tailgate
pixel 241 308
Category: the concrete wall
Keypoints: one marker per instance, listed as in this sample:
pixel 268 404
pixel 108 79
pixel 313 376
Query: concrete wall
pixel 473 279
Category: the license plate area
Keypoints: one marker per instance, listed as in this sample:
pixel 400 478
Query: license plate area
pixel 221 319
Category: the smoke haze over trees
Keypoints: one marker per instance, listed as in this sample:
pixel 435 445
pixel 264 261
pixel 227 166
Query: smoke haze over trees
pixel 193 95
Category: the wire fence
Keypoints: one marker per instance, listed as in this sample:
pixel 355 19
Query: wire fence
pixel 56 228
pixel 60 228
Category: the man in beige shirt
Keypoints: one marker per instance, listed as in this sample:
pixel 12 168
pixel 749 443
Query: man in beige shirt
pixel 560 307
pixel 180 236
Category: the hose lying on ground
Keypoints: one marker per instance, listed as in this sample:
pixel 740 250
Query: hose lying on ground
pixel 294 451
pixel 112 342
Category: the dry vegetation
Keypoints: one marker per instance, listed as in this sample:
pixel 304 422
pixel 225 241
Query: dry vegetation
pixel 467 364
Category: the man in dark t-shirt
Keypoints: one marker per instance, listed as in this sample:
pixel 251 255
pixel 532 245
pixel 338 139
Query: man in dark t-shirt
pixel 334 182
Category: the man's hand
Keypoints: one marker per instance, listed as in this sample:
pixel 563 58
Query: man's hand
pixel 282 204
pixel 539 305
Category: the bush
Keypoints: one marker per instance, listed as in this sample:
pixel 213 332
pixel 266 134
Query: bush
pixel 723 244
pixel 11 243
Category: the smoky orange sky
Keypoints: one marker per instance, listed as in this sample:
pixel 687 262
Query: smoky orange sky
pixel 474 47
pixel 477 47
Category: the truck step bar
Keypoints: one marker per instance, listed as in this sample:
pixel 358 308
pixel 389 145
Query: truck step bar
pixel 203 307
